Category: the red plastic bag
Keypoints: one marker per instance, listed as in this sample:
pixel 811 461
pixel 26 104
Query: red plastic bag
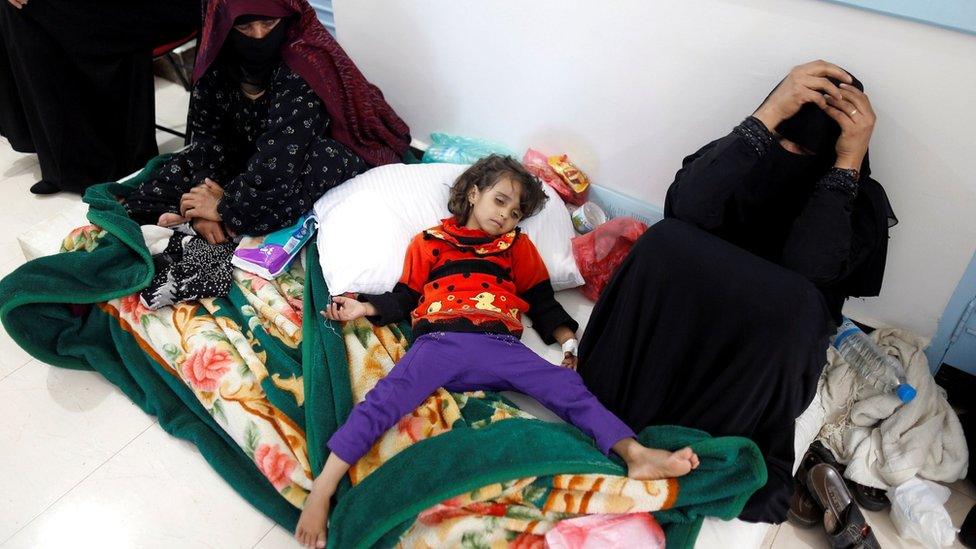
pixel 599 252
pixel 559 173
pixel 607 532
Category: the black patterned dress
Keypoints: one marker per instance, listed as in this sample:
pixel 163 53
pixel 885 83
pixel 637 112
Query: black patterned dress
pixel 273 156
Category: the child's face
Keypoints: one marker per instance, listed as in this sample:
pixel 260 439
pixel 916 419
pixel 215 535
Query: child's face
pixel 496 210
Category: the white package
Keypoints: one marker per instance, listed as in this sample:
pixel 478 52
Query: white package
pixel 918 511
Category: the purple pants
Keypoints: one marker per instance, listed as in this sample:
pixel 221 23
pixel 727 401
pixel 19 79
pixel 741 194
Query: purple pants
pixel 469 362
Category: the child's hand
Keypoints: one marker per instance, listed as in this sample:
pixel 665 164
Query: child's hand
pixel 569 361
pixel 344 309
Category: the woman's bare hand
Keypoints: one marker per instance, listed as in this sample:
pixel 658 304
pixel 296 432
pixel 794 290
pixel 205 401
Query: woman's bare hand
pixel 856 118
pixel 807 83
pixel 569 361
pixel 200 203
pixel 214 187
pixel 18 3
pixel 211 231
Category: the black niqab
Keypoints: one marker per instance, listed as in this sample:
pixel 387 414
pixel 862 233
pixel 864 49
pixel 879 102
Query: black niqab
pixel 251 61
pixel 814 130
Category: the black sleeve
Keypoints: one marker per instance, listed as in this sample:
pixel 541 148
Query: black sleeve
pixel 205 156
pixel 546 313
pixel 208 129
pixel 822 245
pixel 392 306
pixel 273 191
pixel 711 177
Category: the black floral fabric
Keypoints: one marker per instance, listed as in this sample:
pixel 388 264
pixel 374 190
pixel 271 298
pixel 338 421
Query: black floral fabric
pixel 273 156
pixel 187 270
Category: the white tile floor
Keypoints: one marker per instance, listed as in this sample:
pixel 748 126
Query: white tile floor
pixel 80 465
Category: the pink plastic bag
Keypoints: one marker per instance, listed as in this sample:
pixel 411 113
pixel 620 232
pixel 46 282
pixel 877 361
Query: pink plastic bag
pixel 599 252
pixel 541 166
pixel 607 532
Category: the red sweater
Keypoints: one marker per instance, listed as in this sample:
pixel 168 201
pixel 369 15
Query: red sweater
pixel 457 279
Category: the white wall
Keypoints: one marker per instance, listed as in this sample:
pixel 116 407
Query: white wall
pixel 629 87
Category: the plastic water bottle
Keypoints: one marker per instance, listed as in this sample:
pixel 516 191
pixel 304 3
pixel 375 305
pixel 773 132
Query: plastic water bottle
pixel 870 362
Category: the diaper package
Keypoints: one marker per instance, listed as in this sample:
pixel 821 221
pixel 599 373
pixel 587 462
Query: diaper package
pixel 269 256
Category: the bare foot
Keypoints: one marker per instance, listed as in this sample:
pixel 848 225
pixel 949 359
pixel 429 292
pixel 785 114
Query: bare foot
pixel 171 220
pixel 311 528
pixel 651 464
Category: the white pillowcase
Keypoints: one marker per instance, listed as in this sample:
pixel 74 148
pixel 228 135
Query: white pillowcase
pixel 366 224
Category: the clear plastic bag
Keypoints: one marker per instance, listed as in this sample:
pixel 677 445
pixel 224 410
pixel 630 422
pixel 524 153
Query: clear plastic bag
pixel 456 149
pixel 599 252
pixel 918 511
pixel 607 532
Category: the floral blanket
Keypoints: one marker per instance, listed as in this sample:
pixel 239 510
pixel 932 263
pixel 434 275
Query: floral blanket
pixel 512 513
pixel 259 381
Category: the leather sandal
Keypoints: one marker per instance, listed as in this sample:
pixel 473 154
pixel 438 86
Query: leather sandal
pixel 842 520
pixel 872 499
pixel 804 511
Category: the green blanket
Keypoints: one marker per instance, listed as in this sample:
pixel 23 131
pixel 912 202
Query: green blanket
pixel 259 381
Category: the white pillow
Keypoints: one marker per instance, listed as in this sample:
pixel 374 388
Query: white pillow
pixel 366 224
pixel 45 237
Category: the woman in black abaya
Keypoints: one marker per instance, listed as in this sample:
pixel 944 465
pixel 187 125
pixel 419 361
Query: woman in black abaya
pixel 76 84
pixel 719 317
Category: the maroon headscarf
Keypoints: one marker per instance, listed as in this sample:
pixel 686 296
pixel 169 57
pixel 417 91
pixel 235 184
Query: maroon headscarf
pixel 361 119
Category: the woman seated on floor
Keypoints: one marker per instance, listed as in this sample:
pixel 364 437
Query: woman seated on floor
pixel 719 317
pixel 279 115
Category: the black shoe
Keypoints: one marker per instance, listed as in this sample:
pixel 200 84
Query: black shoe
pixel 872 499
pixel 45 187
pixel 967 533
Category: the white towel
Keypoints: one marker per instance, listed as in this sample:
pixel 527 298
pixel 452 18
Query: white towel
pixel 882 442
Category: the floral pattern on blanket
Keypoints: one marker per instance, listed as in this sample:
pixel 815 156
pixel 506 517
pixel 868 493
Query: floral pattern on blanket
pixel 515 514
pixel 83 239
pixel 213 347
pixel 215 350
pixel 518 513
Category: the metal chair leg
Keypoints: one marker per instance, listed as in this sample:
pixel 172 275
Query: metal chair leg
pixel 180 69
pixel 170 130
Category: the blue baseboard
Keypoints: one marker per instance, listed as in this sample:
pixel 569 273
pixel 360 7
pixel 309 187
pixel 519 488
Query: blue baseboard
pixel 954 340
pixel 618 204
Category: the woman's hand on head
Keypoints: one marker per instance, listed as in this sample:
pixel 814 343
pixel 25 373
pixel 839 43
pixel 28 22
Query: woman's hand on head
pixel 200 203
pixel 343 309
pixel 806 83
pixel 211 231
pixel 854 114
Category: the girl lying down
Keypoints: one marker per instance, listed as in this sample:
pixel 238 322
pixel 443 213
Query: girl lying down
pixel 465 285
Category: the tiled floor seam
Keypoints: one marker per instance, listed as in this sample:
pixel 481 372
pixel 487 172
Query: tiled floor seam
pixel 266 534
pixel 77 484
pixel 15 370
